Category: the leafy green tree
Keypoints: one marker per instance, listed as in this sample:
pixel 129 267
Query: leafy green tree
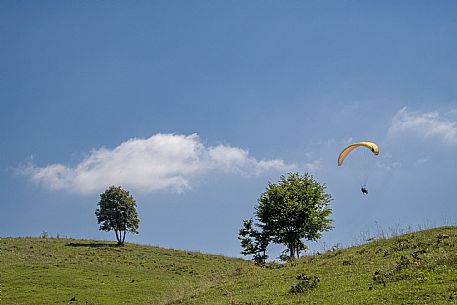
pixel 254 243
pixel 117 211
pixel 295 208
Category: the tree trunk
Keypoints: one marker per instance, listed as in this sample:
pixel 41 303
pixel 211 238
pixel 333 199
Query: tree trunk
pixel 291 250
pixel 117 237
pixel 123 237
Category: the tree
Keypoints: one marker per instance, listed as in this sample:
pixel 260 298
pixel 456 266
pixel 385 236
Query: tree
pixel 295 208
pixel 117 211
pixel 254 243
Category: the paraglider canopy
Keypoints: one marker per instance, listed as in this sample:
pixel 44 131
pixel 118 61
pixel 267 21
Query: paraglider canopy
pixel 372 146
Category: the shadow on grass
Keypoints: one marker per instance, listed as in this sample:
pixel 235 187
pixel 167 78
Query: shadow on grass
pixel 92 245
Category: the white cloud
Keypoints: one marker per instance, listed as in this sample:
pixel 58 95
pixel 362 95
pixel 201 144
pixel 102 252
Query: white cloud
pixel 386 162
pixel 453 112
pixel 163 161
pixel 314 166
pixel 421 161
pixel 426 125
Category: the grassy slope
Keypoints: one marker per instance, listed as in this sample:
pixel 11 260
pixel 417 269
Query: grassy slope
pixel 417 268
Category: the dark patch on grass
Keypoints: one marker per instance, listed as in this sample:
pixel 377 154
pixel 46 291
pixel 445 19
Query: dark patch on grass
pixel 379 278
pixel 362 251
pixel 416 254
pixel 402 264
pixel 305 283
pixel 91 245
pixel 401 244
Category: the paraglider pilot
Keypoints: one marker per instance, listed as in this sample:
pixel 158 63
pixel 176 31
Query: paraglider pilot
pixel 370 145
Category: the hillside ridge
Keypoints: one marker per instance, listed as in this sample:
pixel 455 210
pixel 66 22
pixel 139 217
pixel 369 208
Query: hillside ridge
pixel 413 268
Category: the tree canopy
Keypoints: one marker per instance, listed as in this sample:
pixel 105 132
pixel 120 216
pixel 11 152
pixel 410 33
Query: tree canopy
pixel 117 211
pixel 293 210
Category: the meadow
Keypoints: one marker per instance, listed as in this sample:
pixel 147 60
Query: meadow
pixel 414 268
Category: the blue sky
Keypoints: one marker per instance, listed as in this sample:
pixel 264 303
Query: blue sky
pixel 194 106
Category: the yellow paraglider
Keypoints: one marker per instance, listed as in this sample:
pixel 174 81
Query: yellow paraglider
pixel 372 146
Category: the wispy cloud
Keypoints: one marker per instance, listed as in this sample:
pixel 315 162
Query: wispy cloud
pixel 453 112
pixel 163 161
pixel 386 162
pixel 426 125
pixel 313 166
pixel 312 163
pixel 421 161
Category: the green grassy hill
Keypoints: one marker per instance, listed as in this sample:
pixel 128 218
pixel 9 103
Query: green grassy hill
pixel 416 268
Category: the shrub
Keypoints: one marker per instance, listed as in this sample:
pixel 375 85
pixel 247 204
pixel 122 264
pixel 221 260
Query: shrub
pixel 305 283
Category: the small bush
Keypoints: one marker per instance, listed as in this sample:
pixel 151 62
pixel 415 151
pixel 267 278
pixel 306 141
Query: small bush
pixel 401 244
pixel 378 278
pixel 305 283
pixel 403 263
pixel 416 254
pixel 362 251
pixel 260 260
